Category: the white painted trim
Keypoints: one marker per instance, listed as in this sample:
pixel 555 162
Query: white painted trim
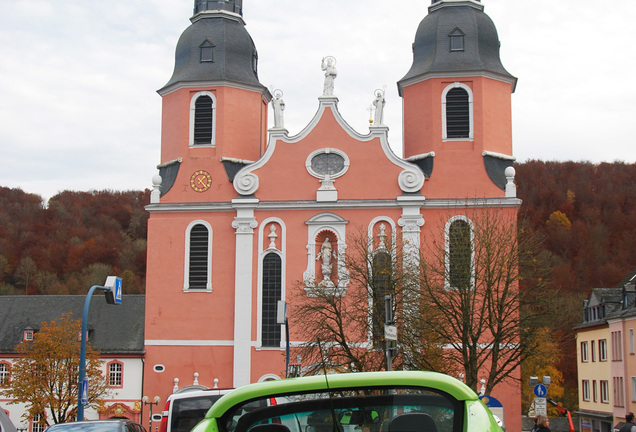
pixel 192 115
pixel 186 262
pixel 262 251
pixel 269 377
pixel 443 203
pixel 347 162
pixel 178 342
pixel 471 129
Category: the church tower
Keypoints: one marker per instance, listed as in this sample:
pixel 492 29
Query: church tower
pixel 456 102
pixel 214 107
pixel 214 121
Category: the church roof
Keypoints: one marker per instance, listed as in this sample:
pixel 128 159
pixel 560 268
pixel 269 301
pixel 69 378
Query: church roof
pixel 113 329
pixel 215 48
pixel 477 44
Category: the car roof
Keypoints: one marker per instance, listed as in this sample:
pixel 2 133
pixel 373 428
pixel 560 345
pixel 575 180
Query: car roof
pixel 196 393
pixel 445 383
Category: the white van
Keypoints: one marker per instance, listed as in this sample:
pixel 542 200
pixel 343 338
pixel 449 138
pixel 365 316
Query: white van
pixel 184 410
pixel 5 423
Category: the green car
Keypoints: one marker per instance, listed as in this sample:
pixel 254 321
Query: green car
pixel 399 401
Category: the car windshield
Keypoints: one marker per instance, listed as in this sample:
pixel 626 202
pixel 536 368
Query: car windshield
pixel 354 410
pixel 93 426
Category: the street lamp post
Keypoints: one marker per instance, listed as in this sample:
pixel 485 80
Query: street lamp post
pixel 113 290
pixel 146 401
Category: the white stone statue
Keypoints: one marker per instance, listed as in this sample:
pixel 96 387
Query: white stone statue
pixel 279 106
pixel 329 66
pixel 326 252
pixel 378 103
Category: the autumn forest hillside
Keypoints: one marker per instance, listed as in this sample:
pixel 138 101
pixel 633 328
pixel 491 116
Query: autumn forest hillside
pixel 585 212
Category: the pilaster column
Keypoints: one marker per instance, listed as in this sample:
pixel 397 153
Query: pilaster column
pixel 244 223
pixel 411 221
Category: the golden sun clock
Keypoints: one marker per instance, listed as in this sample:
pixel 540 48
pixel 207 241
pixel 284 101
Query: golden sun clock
pixel 200 181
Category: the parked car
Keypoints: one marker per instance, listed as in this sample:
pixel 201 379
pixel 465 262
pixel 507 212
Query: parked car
pixel 108 425
pixel 399 401
pixel 5 423
pixel 184 410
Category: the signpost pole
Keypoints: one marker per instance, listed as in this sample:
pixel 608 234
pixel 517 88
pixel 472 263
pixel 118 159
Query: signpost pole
pixel 114 287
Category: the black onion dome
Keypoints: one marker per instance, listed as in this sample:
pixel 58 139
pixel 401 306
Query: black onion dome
pixel 466 20
pixel 215 48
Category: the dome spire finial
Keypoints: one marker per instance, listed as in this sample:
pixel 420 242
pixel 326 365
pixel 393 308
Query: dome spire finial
pixel 235 6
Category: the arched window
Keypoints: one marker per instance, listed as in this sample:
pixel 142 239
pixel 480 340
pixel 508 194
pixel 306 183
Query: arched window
pixel 272 292
pixel 198 255
pixel 459 264
pixel 115 374
pixel 380 287
pixel 202 119
pixel 457 115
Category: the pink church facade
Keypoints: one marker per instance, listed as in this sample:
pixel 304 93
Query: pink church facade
pixel 240 214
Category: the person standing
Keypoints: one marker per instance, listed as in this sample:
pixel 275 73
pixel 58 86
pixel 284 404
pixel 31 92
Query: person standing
pixel 629 425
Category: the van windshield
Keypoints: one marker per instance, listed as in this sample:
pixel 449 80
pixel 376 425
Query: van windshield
pixel 187 412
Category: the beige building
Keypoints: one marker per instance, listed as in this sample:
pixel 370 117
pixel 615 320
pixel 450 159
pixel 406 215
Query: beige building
pixel 606 360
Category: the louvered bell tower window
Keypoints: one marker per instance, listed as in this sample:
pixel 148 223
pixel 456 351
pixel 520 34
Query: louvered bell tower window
pixel 198 268
pixel 203 120
pixel 457 114
pixel 272 292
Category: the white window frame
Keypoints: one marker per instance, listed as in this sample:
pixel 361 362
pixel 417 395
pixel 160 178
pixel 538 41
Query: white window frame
pixel 471 121
pixel 593 350
pixel 584 353
pixel 186 264
pixel 5 373
pixel 604 391
pixel 585 390
pixel 269 244
pixel 192 116
pixel 115 373
pixel 602 350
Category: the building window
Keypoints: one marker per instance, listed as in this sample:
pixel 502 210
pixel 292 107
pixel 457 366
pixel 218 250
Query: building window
pixel 115 374
pixel 203 119
pixel 594 391
pixel 602 350
pixel 5 373
pixel 617 346
pixel 604 391
pixel 618 392
pixel 198 256
pixel 459 253
pixel 456 38
pixel 272 292
pixel 631 341
pixel 593 350
pixel 207 51
pixel 633 389
pixel 584 357
pixel 27 335
pixel 380 287
pixel 457 112
pixel 585 390
pixel 37 423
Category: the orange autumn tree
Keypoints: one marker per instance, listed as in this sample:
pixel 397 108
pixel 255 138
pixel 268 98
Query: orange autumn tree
pixel 46 374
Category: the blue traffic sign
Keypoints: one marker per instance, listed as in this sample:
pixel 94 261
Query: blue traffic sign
pixel 540 390
pixel 118 290
pixel 84 393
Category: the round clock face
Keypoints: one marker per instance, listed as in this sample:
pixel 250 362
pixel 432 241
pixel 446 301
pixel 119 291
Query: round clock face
pixel 200 181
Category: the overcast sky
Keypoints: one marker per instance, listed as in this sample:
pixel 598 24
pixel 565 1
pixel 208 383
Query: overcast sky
pixel 78 78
